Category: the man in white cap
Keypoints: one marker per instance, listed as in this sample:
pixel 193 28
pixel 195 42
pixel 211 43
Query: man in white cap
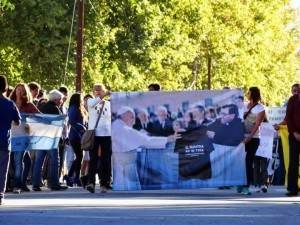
pixel 124 149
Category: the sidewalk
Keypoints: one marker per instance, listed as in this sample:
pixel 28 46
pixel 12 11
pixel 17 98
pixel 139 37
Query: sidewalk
pixel 204 206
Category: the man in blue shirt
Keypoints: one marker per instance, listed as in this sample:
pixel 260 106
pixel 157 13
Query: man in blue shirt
pixel 9 114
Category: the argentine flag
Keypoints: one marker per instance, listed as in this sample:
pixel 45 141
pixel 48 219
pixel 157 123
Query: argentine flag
pixel 37 132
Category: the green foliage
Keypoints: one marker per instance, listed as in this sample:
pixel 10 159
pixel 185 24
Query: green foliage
pixel 131 43
pixel 5 5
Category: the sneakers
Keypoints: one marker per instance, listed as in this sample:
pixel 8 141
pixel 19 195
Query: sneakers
pixel 17 190
pixel 25 189
pixel 246 191
pixel 35 188
pixel 257 189
pixel 103 189
pixel 68 180
pixel 239 189
pixel 77 182
pixel 264 189
pixel 91 188
pixel 58 188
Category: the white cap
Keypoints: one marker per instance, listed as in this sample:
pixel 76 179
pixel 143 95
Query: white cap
pixel 125 109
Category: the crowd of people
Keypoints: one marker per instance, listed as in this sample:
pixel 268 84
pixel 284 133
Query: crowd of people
pixel 40 168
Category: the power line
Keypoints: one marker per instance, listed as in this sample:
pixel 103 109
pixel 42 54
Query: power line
pixel 70 39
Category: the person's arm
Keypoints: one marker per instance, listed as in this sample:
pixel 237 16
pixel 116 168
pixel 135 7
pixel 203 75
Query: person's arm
pixel 92 102
pixel 283 122
pixel 143 140
pixel 16 115
pixel 259 119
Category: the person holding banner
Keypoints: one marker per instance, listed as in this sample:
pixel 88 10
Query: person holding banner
pixel 9 114
pixel 125 149
pixel 252 121
pixel 51 107
pixel 293 123
pixel 22 97
pixel 99 110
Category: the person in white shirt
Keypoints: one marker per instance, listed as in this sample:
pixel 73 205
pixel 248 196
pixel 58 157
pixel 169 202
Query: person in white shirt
pixel 125 143
pixel 253 118
pixel 102 145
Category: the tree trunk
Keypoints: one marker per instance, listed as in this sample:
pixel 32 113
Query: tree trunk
pixel 209 70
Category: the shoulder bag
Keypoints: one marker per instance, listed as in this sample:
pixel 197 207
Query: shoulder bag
pixel 88 137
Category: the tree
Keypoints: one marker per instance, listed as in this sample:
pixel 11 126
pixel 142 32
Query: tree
pixel 182 44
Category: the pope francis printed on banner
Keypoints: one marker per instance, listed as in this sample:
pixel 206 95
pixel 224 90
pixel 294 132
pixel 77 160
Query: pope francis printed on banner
pixel 125 142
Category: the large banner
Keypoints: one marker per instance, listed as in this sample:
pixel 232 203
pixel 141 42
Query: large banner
pixel 187 139
pixel 37 132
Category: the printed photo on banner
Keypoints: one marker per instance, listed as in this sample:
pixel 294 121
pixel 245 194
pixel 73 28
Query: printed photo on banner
pixel 185 139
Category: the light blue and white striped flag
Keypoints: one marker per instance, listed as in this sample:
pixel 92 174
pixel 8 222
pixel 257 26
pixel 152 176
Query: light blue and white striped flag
pixel 37 132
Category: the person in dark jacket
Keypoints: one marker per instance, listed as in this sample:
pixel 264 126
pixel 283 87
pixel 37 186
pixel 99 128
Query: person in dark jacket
pixel 142 120
pixel 293 123
pixel 163 125
pixel 76 114
pixel 9 114
pixel 51 107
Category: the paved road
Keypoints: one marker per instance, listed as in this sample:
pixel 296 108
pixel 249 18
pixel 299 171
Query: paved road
pixel 201 207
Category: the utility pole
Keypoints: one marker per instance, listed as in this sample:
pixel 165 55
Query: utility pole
pixel 209 65
pixel 79 50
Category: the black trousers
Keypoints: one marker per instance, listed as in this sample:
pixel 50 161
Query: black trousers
pixel 101 164
pixel 76 165
pixel 251 148
pixel 293 172
pixel 260 175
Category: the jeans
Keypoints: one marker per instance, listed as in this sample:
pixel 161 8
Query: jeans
pixel 4 162
pixel 22 162
pixel 53 178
